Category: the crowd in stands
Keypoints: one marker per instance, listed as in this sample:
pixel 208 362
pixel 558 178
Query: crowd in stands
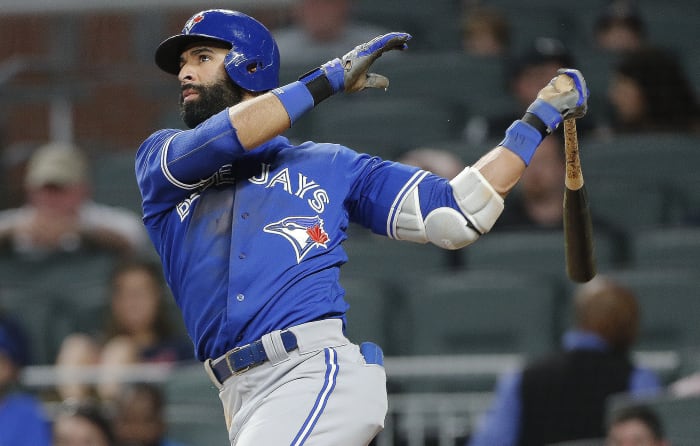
pixel 127 319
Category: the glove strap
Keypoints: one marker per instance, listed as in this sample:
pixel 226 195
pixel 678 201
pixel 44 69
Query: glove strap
pixel 522 139
pixel 311 89
pixel 547 113
pixel 537 123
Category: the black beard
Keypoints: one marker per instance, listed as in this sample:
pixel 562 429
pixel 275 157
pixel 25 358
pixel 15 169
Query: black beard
pixel 212 99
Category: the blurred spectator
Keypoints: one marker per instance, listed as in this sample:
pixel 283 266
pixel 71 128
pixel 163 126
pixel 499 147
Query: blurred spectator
pixel 140 417
pixel 650 92
pixel 562 396
pixel 634 426
pixel 537 201
pixel 619 28
pixel 138 329
pixel 485 32
pixel 82 424
pixel 526 73
pixel 22 419
pixel 321 29
pixel 59 215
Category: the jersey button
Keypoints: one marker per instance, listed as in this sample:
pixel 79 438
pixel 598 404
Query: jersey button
pixel 241 256
pixel 245 215
pixel 240 297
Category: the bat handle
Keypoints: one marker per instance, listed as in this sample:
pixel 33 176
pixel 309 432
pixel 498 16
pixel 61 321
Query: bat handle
pixel 574 176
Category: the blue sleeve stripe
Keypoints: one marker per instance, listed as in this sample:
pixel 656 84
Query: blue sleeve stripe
pixel 398 201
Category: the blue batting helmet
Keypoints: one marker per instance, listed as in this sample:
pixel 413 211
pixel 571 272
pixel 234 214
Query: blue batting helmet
pixel 254 60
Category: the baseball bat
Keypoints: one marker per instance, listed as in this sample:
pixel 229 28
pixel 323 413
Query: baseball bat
pixel 578 229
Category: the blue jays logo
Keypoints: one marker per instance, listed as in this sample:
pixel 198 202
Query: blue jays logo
pixel 304 233
pixel 191 22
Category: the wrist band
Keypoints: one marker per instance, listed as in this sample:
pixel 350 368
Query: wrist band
pixel 522 139
pixel 296 99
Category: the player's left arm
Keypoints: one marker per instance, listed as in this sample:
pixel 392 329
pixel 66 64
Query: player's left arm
pixel 456 216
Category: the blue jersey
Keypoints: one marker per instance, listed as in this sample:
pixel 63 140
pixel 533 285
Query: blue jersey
pixel 251 241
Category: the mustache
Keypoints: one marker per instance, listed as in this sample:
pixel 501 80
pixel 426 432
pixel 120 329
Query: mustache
pixel 196 88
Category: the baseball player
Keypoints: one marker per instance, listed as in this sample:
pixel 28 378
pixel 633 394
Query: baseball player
pixel 249 227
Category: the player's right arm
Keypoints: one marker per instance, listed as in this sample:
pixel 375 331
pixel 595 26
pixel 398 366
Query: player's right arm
pixel 178 162
pixel 268 115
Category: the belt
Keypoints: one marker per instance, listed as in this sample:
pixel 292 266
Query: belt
pixel 242 359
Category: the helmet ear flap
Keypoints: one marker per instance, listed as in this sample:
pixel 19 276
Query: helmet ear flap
pixel 251 72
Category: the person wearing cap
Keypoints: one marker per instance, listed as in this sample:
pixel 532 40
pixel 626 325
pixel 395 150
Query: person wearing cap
pixel 59 215
pixel 22 418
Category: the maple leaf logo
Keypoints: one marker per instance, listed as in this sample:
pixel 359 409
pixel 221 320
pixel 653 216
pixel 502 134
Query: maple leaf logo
pixel 317 235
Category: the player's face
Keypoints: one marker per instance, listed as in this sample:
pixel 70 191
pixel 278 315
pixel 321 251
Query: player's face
pixel 205 88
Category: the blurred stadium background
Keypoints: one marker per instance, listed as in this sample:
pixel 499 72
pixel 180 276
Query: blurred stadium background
pixel 82 71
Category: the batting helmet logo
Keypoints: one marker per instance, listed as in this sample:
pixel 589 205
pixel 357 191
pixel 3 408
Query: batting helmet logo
pixel 254 60
pixel 191 22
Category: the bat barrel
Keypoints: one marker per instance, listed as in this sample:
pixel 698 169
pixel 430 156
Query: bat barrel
pixel 578 228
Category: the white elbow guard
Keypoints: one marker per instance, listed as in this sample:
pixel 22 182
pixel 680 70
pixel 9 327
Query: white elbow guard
pixel 447 227
pixel 477 199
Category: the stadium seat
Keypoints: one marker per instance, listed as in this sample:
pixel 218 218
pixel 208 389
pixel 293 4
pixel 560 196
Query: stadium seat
pixel 373 256
pixel 369 317
pixel 630 204
pixel 653 157
pixel 114 180
pixel 666 248
pixel 381 125
pixel 433 25
pixel 474 84
pixel 534 251
pixel 479 312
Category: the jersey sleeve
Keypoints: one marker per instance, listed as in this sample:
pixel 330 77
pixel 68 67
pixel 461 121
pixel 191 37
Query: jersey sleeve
pixel 171 163
pixel 380 189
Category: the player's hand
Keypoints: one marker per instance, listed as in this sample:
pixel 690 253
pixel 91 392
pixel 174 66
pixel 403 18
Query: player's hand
pixel 350 72
pixel 356 63
pixel 565 97
pixel 568 93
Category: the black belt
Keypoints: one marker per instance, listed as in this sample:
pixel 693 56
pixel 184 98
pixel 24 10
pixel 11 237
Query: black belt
pixel 241 359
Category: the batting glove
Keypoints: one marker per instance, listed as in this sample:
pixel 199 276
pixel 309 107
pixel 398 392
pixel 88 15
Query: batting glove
pixel 553 105
pixel 555 102
pixel 348 73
